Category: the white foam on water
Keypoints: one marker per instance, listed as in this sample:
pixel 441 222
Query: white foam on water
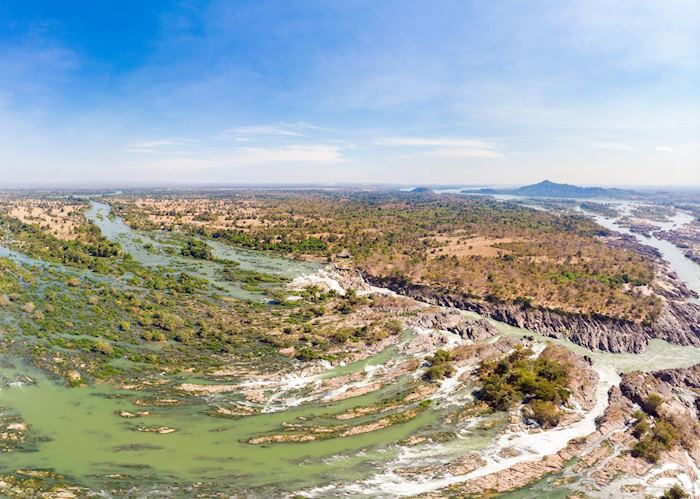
pixel 531 447
pixel 323 278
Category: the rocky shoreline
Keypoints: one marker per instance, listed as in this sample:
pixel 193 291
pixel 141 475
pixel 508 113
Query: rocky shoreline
pixel 679 322
pixel 607 461
pixel 686 239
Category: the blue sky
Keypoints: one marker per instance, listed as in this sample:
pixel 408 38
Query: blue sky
pixel 468 92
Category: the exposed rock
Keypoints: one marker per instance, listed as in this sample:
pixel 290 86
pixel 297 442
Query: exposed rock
pixel 163 430
pixel 453 320
pixel 477 330
pixel 686 238
pixel 208 389
pixel 355 391
pixel 679 322
pixel 288 351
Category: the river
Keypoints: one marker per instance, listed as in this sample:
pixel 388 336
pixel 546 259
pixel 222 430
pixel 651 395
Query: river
pixel 82 436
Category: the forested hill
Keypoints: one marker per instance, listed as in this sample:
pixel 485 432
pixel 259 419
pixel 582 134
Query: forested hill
pixel 547 188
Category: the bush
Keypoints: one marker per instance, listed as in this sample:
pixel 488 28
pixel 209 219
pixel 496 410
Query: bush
pixel 662 437
pixel 197 249
pixel 438 372
pixel 541 382
pixel 440 367
pixel 183 336
pixel 545 413
pixel 341 335
pixel 675 492
pixel 652 404
pixel 394 327
pixel 103 348
pixel 498 394
pixel 642 424
pixel 307 354
pixel 646 450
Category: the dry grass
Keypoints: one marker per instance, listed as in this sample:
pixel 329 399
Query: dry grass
pixel 464 246
pixel 61 218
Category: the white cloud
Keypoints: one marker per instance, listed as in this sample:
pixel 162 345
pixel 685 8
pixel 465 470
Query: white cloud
pixel 664 149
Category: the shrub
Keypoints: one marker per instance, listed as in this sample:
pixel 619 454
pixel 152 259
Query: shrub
pixel 662 437
pixel 341 335
pixel 394 327
pixel 652 404
pixel 519 378
pixel 183 336
pixel 545 413
pixel 440 367
pixel 675 492
pixel 307 354
pixel 438 372
pixel 103 347
pixel 642 424
pixel 197 249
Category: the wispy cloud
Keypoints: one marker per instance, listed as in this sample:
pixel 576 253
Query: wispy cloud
pixel 321 153
pixel 298 129
pixel 301 155
pixel 664 149
pixel 442 147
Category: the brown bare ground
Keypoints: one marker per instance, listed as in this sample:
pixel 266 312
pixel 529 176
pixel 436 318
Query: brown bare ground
pixel 464 246
pixel 59 217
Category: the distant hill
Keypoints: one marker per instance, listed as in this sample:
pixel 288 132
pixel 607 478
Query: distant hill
pixel 550 189
pixel 422 190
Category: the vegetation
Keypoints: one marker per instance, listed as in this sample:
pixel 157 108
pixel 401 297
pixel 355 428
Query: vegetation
pixel 196 248
pixel 652 403
pixel 518 378
pixel 440 366
pixel 155 319
pixel 89 250
pixel 675 492
pixel 661 437
pixel 484 249
pixel 655 434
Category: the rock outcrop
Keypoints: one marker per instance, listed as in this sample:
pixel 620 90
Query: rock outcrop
pixel 605 462
pixel 453 320
pixel 679 322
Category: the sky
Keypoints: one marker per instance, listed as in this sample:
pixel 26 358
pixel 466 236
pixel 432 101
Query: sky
pixel 594 92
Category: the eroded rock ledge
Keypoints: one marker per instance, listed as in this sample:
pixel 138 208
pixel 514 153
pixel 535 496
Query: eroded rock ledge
pixel 679 322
